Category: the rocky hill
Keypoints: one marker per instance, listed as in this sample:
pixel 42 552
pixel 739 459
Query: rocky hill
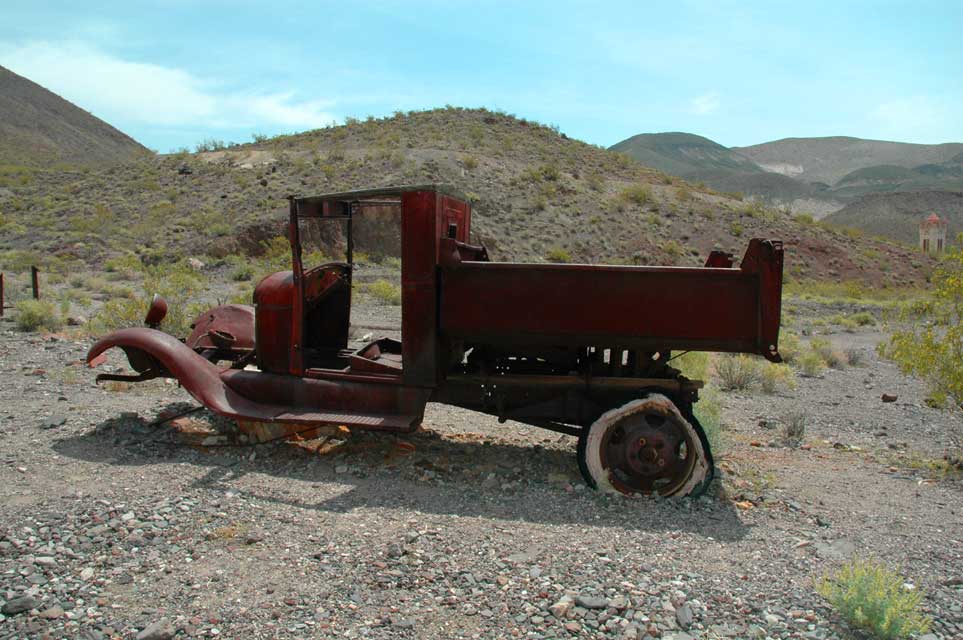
pixel 828 160
pixel 39 128
pixel 685 155
pixel 537 195
pixel 899 214
pixel 816 176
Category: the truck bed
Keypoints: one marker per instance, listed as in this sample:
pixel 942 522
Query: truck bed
pixel 655 308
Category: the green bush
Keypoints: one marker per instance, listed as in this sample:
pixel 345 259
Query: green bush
pixel 385 291
pixel 811 364
pixel 36 315
pixel 929 338
pixel 557 254
pixel 873 597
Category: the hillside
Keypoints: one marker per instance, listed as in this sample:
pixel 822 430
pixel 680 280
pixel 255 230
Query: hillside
pixel 816 176
pixel 536 193
pixel 39 128
pixel 898 215
pixel 685 155
pixel 829 159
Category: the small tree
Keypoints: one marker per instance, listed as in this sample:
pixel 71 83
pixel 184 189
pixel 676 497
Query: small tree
pixel 929 343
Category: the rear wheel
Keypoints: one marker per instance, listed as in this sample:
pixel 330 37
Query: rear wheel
pixel 644 447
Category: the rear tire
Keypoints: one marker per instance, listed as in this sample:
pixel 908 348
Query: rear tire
pixel 645 447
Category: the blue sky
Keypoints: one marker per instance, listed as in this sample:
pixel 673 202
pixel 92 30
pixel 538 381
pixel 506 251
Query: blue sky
pixel 175 72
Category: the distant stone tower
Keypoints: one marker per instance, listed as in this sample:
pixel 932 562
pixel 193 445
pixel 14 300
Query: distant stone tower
pixel 933 234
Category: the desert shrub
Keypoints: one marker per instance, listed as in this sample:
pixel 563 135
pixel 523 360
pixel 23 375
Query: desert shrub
pixel 789 347
pixel 863 319
pixel 557 254
pixel 794 428
pixel 547 172
pixel 811 364
pixel 929 338
pixel 36 315
pixel 831 356
pixel 735 228
pixel 855 356
pixel 209 144
pixel 736 372
pixel 595 181
pixel 637 194
pixel 673 249
pixel 177 283
pixel 693 364
pixel 773 377
pixel 873 597
pixel 386 292
pixel 708 411
pixel 242 272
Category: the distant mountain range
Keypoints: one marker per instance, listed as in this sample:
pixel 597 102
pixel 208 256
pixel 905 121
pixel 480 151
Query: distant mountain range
pixel 898 215
pixel 815 175
pixel 39 128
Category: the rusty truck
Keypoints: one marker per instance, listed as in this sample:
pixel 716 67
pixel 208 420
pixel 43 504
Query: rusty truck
pixel 580 349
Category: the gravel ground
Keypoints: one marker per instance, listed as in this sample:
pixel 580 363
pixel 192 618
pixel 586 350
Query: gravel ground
pixel 110 527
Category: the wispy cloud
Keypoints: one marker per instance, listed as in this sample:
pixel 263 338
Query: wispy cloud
pixel 120 90
pixel 705 104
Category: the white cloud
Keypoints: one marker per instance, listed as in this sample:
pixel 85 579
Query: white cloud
pixel 120 90
pixel 705 104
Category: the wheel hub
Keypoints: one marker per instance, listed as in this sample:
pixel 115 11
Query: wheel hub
pixel 647 452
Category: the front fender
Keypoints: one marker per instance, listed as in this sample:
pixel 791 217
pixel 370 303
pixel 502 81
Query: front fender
pixel 200 377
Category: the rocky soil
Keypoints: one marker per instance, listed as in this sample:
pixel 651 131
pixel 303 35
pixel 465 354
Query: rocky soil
pixel 113 527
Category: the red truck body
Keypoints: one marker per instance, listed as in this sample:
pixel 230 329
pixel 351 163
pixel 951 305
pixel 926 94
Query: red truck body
pixel 553 345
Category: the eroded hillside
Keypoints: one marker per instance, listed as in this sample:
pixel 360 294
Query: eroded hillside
pixel 536 194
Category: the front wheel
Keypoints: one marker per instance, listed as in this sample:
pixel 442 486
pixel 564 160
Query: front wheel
pixel 643 447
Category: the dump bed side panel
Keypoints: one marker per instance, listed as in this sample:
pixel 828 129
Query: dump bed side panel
pixel 643 307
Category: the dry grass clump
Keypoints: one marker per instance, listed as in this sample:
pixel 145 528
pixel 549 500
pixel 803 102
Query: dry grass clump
pixel 38 315
pixel 743 372
pixel 794 428
pixel 855 356
pixel 638 194
pixel 736 372
pixel 830 355
pixel 773 377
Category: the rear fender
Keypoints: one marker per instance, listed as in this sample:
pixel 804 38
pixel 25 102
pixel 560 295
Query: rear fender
pixel 169 356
